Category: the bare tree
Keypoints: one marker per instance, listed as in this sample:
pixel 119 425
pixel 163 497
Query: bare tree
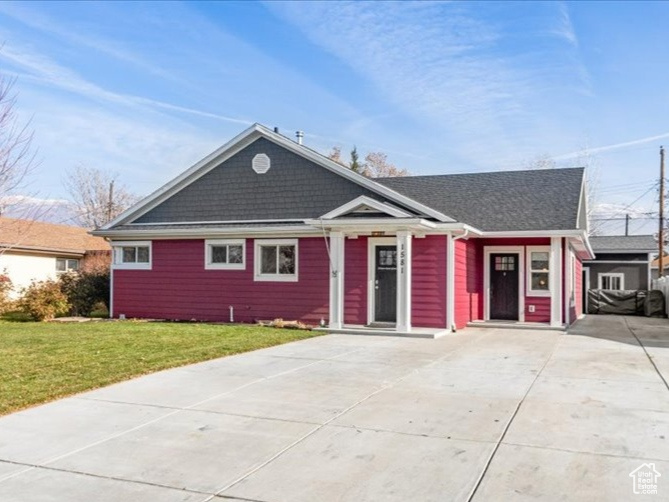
pixel 335 154
pixel 376 164
pixel 17 157
pixel 543 161
pixel 97 195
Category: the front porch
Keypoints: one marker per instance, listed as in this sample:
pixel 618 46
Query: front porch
pixel 387 271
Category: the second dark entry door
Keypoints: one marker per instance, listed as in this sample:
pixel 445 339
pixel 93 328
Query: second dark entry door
pixel 385 284
pixel 504 287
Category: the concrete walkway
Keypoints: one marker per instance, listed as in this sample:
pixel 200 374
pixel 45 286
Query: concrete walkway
pixel 484 415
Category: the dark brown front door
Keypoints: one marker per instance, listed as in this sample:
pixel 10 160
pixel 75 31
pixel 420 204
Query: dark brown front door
pixel 504 286
pixel 385 284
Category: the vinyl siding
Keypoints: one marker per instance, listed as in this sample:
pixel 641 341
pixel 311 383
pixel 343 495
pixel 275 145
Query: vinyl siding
pixel 178 287
pixel 468 282
pixel 355 281
pixel 428 282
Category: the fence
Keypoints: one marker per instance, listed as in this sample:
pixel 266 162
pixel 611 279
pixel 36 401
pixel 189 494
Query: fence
pixel 663 285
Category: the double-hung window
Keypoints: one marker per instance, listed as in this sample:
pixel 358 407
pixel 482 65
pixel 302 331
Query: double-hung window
pixel 132 255
pixel 611 281
pixel 225 254
pixel 538 270
pixel 276 260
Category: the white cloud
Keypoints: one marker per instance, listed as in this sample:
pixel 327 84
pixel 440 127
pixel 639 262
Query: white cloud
pixel 616 146
pixel 45 70
pixel 447 65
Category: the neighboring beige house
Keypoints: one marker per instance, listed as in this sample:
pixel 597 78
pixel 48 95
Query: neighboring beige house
pixel 34 250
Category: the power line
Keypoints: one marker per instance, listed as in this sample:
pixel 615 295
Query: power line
pixel 622 211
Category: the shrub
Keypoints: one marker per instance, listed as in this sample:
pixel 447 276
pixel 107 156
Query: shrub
pixel 6 303
pixel 44 300
pixel 86 290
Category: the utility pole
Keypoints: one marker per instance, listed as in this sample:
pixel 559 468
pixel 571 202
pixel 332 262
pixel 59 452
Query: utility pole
pixel 627 224
pixel 661 236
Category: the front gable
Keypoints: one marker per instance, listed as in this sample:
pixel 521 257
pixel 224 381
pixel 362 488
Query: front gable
pixel 261 176
pixel 263 181
pixel 364 206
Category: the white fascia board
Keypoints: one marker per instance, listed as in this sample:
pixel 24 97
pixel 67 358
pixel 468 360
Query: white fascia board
pixel 367 224
pixel 213 222
pixel 534 233
pixel 242 140
pixel 455 227
pixel 363 200
pixel 583 204
pixel 627 251
pixel 209 233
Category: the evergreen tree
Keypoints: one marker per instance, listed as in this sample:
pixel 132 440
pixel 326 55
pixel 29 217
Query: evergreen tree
pixel 355 163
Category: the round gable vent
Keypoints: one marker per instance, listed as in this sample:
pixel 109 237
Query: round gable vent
pixel 261 163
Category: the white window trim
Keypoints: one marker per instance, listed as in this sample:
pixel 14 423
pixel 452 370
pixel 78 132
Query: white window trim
pixel 528 266
pixel 68 269
pixel 208 263
pixel 611 274
pixel 117 264
pixel 257 276
pixel 489 250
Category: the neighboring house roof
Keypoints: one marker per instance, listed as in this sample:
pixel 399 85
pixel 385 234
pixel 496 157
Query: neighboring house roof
pixel 656 263
pixel 40 236
pixel 540 199
pixel 624 243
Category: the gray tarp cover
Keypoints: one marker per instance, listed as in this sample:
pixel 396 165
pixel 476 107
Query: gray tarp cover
pixel 644 303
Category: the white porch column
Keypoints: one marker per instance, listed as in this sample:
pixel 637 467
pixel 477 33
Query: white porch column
pixel 555 281
pixel 336 320
pixel 404 281
pixel 450 282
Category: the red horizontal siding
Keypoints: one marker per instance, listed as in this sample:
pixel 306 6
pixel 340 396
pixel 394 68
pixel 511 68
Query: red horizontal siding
pixel 542 309
pixel 179 287
pixel 428 282
pixel 542 305
pixel 355 281
pixel 468 282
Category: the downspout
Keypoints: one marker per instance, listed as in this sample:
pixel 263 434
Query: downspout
pixel 450 279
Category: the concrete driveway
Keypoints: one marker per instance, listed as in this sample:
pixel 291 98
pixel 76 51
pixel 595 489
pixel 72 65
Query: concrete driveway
pixel 485 415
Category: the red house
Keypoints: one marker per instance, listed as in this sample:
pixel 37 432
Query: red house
pixel 267 228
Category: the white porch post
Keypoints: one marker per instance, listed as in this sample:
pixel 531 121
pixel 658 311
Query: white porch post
pixel 336 320
pixel 404 281
pixel 555 281
pixel 450 282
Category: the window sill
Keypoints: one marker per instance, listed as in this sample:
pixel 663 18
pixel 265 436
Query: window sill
pixel 225 266
pixel 275 278
pixel 131 266
pixel 538 294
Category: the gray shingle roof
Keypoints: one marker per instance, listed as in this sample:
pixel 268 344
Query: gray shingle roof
pixel 546 199
pixel 293 188
pixel 640 243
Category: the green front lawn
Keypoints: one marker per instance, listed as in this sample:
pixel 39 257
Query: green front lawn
pixel 43 361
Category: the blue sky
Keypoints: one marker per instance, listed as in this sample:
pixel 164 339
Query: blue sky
pixel 146 89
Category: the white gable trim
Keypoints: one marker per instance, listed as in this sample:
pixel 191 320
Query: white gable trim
pixel 583 205
pixel 240 142
pixel 364 201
